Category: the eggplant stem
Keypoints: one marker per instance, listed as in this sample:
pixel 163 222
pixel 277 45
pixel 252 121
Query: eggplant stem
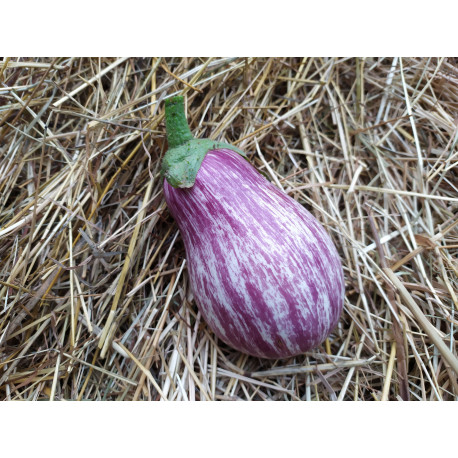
pixel 176 124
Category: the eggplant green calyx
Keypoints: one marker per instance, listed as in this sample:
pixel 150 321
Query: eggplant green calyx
pixel 185 155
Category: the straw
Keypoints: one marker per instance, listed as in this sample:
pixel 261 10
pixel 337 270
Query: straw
pixel 95 297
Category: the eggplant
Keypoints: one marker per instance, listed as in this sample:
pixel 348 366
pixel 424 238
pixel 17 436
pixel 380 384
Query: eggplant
pixel 265 275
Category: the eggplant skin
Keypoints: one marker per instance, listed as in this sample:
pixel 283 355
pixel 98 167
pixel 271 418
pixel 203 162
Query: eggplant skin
pixel 266 276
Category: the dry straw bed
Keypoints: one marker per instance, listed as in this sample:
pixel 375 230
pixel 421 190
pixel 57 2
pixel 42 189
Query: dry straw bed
pixel 95 302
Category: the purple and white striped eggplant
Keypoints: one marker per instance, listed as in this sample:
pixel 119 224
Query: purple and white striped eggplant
pixel 266 276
